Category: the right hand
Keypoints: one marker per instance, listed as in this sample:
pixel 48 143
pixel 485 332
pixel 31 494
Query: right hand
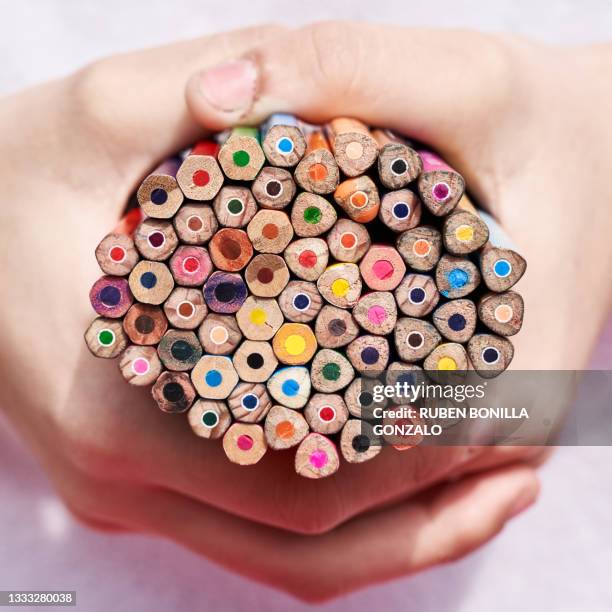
pixel 118 461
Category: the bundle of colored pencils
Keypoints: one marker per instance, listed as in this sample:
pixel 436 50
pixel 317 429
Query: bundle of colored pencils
pixel 268 274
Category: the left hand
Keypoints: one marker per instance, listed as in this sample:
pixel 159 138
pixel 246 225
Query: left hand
pixel 73 151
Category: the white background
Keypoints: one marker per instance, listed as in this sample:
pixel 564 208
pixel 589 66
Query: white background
pixel 558 556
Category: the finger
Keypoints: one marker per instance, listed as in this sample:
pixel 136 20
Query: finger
pixel 135 102
pixel 273 494
pixel 106 526
pixel 372 548
pixel 435 85
pixel 489 457
pixel 142 445
pixel 124 438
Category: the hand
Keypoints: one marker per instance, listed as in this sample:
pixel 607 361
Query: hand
pixel 78 147
pixel 524 123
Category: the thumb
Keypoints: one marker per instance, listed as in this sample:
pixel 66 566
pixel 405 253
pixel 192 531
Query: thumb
pixel 442 87
pixel 134 102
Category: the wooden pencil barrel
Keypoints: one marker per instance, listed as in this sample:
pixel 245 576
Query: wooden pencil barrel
pixel 245 288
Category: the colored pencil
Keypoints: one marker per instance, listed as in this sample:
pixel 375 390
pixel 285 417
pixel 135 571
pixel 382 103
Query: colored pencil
pixel 282 140
pixel 179 350
pixel 326 413
pixel 359 198
pixel 400 210
pixel 284 428
pixel 398 164
pixel 270 231
pixel 456 277
pixel 145 324
pixel 116 254
pixel 502 313
pixel 359 398
pixel 376 312
pixel 335 327
pixel 151 282
pixel 249 402
pixel 129 222
pixel 199 176
pixel 417 295
pixel 340 285
pixel 173 392
pixel 195 224
pixel 294 344
pixel 307 258
pixel 316 457
pixel 259 318
pixel 190 266
pixel 354 147
pixel 155 239
pixel 244 443
pixel 241 156
pixel 490 354
pixel 159 195
pixel 209 418
pixel 105 338
pixel 273 188
pixel 234 206
pixel 415 339
pixel 464 231
pixel 110 296
pixel 420 247
pixel 140 365
pixel 440 186
pixel 185 308
pixel 406 441
pixel 501 268
pixel 382 268
pixel 358 442
pixel 214 377
pixel 224 292
pixel 404 373
pixel 300 301
pixel 290 386
pixel 318 171
pixel 230 249
pixel 330 371
pixel 255 361
pixel 348 241
pixel 266 275
pixel 219 334
pixel 312 215
pixel 446 357
pixel 456 320
pixel 369 354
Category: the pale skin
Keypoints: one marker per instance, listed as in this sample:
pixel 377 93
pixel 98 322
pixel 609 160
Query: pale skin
pixel 527 127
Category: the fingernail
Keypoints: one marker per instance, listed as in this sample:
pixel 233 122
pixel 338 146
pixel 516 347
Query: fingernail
pixel 522 502
pixel 230 87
